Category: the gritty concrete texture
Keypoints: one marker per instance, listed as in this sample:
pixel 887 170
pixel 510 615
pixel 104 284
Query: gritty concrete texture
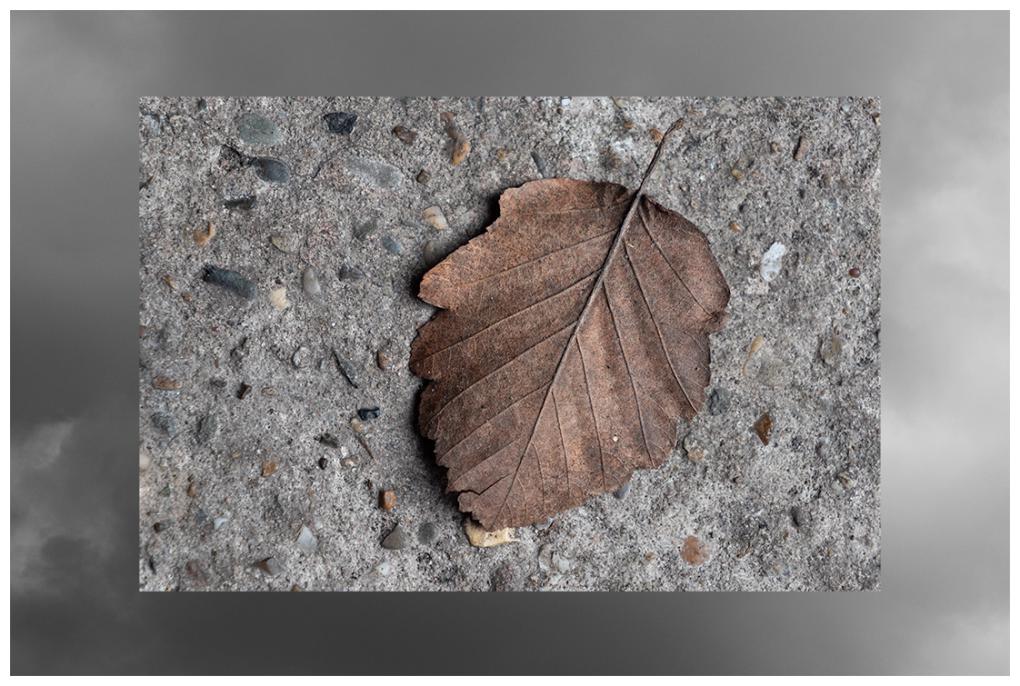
pixel 252 476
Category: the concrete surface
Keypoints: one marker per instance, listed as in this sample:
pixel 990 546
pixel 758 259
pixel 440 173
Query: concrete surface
pixel 802 344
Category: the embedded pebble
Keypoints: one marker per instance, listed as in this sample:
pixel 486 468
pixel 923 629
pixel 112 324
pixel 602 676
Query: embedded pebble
pixel 374 172
pixel 772 261
pixel 306 541
pixel 549 560
pixel 694 552
pixel 695 453
pixel 245 202
pixel 270 566
pixel 243 390
pixel 278 296
pixel 854 272
pixel 366 228
pixel 423 177
pixel 350 273
pixel 144 459
pixel 718 401
pixel 480 538
pixel 540 164
pixel 427 532
pixel 258 130
pixel 387 500
pixel 831 349
pixel 164 422
pixel 803 145
pixel 395 540
pixel 230 280
pixel 203 236
pixel 268 468
pixel 270 170
pixel 460 146
pixel 622 491
pixel 763 427
pixel 310 283
pixel 286 242
pixel 328 440
pixel 406 135
pixel 345 368
pixel 340 122
pixel 433 251
pixel 542 526
pixel 300 357
pixel 165 383
pixel 384 358
pixel 323 463
pixel 367 413
pixel 434 216
pixel 218 522
pixel 391 245
pixel 207 428
pixel 800 516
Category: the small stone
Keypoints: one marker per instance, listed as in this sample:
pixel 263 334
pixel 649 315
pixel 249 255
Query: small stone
pixel 460 145
pixel 323 463
pixel 718 401
pixel 387 500
pixel 144 459
pixel 854 272
pixel 423 177
pixel 383 360
pixel 656 135
pixel 278 297
pixel 800 516
pixel 257 130
pixel 695 453
pixel 357 426
pixel 268 468
pixel 192 490
pixel 434 216
pixel 735 227
pixel 772 261
pixel 165 383
pixel 245 202
pixel 270 566
pixel 434 251
pixel 395 540
pixel 737 174
pixel 350 273
pixel 195 571
pixel 207 428
pixel 392 245
pixel 306 541
pixel 374 172
pixel 480 538
pixel 203 236
pixel 310 283
pixel 775 147
pixel 159 526
pixel 540 164
pixel 622 491
pixel 218 522
pixel 340 122
pixel 243 390
pixel 367 413
pixel 831 350
pixel 406 135
pixel 301 357
pixel 693 551
pixel 270 170
pixel 803 145
pixel 365 228
pixel 286 242
pixel 544 525
pixel 345 368
pixel 427 532
pixel 268 391
pixel 763 427
pixel 328 440
pixel 164 422
pixel 550 560
pixel 230 280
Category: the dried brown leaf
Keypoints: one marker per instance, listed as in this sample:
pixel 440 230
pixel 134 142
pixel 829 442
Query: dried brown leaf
pixel 573 334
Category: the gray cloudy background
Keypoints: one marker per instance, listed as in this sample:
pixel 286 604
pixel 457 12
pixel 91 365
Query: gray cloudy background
pixel 943 80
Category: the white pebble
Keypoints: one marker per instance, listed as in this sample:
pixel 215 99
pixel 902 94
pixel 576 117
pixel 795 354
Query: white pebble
pixel 772 261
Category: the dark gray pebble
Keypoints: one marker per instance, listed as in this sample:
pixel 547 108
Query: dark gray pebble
pixel 349 273
pixel 395 540
pixel 258 130
pixel 207 428
pixel 540 164
pixel 164 422
pixel 345 368
pixel 328 439
pixel 427 532
pixel 718 401
pixel 231 280
pixel 245 202
pixel 243 390
pixel 340 122
pixel 323 463
pixel 269 169
pixel 366 413
pixel 391 244
pixel 800 516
